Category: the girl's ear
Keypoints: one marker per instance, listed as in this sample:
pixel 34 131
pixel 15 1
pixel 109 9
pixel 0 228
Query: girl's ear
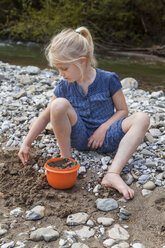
pixel 83 60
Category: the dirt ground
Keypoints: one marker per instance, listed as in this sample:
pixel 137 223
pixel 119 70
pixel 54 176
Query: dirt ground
pixel 23 187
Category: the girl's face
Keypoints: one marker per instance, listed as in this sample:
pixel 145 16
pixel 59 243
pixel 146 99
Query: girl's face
pixel 69 71
pixel 72 72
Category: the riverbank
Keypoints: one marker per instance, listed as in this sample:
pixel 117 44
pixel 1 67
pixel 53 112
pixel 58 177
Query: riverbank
pixel 139 223
pixel 149 73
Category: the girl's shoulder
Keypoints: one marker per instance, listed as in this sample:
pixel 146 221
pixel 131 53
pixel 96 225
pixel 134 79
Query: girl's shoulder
pixel 107 75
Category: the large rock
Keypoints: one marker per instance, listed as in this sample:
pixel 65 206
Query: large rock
pixel 129 83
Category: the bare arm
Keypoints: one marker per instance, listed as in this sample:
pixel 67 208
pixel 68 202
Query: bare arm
pixel 97 139
pixel 37 127
pixel 121 109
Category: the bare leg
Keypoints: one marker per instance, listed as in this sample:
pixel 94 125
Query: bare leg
pixel 135 128
pixel 63 117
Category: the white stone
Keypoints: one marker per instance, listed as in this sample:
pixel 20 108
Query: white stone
pixel 149 185
pixel 146 192
pixel 118 233
pixel 77 219
pixel 96 188
pixel 47 234
pixel 85 233
pixel 16 212
pixel 105 221
pixel 129 83
pixel 79 245
pixel 157 94
pixel 105 160
pixel 62 242
pixel 149 137
pixel 109 242
pixel 8 245
pixel 138 245
pixel 90 223
pixel 155 132
pixel 121 245
pixel 2 232
pixel 82 170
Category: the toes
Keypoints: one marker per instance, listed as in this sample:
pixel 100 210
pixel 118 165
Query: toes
pixel 128 194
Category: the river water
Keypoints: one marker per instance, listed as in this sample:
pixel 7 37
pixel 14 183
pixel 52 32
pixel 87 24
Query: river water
pixel 150 75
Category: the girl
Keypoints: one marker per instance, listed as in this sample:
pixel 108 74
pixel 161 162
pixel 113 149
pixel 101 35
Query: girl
pixel 82 109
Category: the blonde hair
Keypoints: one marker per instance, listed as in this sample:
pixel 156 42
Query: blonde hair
pixel 70 45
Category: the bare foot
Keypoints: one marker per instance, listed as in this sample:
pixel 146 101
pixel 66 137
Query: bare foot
pixel 115 181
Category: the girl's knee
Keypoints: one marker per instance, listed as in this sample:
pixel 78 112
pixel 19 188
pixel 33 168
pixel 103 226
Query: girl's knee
pixel 59 106
pixel 142 119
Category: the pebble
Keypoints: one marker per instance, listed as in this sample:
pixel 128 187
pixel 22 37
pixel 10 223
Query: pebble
pixel 105 221
pixel 118 233
pixel 79 245
pixel 48 234
pixel 8 245
pixel 2 232
pixel 106 204
pixel 77 219
pixel 146 192
pixel 36 213
pixel 85 232
pixel 105 160
pixel 109 242
pixel 138 245
pixel 90 223
pixel 121 245
pixel 16 212
pixel 149 185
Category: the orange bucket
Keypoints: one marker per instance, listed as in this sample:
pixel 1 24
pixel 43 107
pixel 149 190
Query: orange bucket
pixel 61 178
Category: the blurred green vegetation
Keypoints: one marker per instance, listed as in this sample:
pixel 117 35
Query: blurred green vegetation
pixel 123 22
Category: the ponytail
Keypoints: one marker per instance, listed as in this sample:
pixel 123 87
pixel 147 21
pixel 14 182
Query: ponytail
pixel 70 45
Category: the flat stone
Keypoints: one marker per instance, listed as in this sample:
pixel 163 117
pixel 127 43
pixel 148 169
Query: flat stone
pixel 149 137
pixel 105 221
pixel 149 185
pixel 2 232
pixel 77 219
pixel 79 245
pixel 47 234
pixel 16 212
pixel 121 245
pixel 138 245
pixel 109 242
pixel 85 233
pixel 155 132
pixel 157 94
pixel 8 245
pixel 118 233
pixel 106 204
pixel 147 152
pixel 146 192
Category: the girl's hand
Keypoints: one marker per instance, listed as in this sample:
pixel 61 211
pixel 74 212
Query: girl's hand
pixel 24 153
pixel 97 138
